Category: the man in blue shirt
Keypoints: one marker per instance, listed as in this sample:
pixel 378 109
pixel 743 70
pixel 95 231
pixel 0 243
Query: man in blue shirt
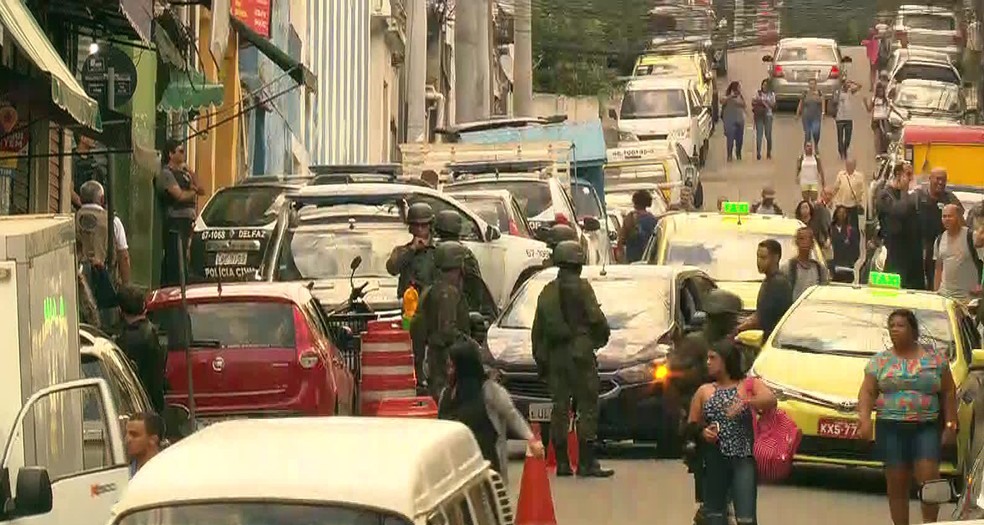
pixel 144 432
pixel 637 228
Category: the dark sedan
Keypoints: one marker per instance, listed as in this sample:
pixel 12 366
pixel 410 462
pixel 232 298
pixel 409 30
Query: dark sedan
pixel 649 308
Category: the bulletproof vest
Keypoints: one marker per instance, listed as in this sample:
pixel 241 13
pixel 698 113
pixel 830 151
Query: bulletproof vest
pixel 92 234
pixel 184 182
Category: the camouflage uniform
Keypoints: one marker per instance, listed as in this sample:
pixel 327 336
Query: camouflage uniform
pixel 415 267
pixel 442 318
pixel 567 329
pixel 558 234
pixel 448 228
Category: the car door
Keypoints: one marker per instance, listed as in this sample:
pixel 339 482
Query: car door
pixel 84 487
pixel 342 371
pixel 703 114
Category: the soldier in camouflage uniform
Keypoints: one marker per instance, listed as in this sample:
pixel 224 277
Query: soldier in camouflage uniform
pixel 567 329
pixel 414 261
pixel 442 318
pixel 688 370
pixel 448 228
pixel 558 234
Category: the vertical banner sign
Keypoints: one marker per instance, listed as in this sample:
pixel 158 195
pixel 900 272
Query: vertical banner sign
pixel 254 13
pixel 13 144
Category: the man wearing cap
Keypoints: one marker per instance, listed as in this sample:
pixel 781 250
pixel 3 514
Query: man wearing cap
pixel 768 205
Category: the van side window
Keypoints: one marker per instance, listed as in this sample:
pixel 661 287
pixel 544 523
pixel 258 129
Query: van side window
pixel 483 504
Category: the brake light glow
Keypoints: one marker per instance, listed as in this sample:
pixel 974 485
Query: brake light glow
pixel 307 355
pixel 777 71
pixel 835 72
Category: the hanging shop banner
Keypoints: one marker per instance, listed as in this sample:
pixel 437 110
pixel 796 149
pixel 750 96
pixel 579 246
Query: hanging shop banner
pixel 254 13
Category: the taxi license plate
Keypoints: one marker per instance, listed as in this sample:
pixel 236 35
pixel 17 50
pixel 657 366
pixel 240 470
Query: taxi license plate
pixel 230 259
pixel 838 428
pixel 540 412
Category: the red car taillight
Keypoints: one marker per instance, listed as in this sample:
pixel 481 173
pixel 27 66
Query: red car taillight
pixel 777 71
pixel 835 72
pixel 307 354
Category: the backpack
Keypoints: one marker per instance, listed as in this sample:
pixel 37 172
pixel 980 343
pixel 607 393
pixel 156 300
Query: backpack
pixel 793 269
pixel 970 247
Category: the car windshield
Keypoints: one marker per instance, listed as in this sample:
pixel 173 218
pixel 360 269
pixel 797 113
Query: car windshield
pixel 243 206
pixel 259 513
pixel 586 202
pixel 230 324
pixel 724 255
pixel 931 22
pixel 326 251
pixel 807 53
pixel 492 210
pixel 939 73
pixel 654 103
pixel 840 327
pixel 533 195
pixel 651 314
pixel 923 98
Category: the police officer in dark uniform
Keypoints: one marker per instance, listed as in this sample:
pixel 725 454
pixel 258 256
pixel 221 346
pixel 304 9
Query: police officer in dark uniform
pixel 442 318
pixel 688 370
pixel 448 225
pixel 568 328
pixel 556 235
pixel 414 261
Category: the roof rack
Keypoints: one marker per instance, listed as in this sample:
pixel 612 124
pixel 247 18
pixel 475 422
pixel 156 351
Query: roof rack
pixel 355 173
pixel 497 166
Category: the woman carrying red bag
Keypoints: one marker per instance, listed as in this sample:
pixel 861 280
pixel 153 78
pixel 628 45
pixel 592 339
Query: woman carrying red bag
pixel 724 409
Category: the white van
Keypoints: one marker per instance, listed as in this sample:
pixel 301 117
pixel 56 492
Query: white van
pixel 665 108
pixel 338 470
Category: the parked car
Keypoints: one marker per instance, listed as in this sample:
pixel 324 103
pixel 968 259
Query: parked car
pixel 257 350
pixel 496 207
pixel 796 61
pixel 693 25
pixel 930 102
pixel 929 27
pixel 921 65
pixel 632 367
pixel 682 64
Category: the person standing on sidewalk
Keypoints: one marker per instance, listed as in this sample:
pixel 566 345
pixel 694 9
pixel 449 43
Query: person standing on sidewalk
pixel 810 112
pixel 849 191
pixel 178 192
pixel 763 106
pixel 841 106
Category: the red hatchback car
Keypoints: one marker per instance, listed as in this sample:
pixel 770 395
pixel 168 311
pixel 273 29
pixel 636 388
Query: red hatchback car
pixel 257 350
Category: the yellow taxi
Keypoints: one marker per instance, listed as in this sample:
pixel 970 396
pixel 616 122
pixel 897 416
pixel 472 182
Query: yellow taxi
pixel 815 358
pixel 724 245
pixel 689 64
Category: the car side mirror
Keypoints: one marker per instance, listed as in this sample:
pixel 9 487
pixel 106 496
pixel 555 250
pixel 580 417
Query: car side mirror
pixel 356 262
pixel 590 224
pixel 33 492
pixel 977 359
pixel 492 233
pixel 177 421
pixel 937 491
pixel 612 114
pixel 752 338
pixel 767 58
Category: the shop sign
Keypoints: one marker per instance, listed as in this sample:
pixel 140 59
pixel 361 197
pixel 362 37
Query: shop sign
pixel 13 141
pixel 95 75
pixel 254 13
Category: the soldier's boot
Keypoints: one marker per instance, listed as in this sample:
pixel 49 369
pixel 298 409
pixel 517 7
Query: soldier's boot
pixel 563 460
pixel 588 466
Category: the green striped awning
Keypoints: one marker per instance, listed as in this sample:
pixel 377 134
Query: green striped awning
pixel 189 91
pixel 66 92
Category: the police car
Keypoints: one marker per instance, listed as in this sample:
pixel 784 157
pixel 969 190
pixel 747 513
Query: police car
pixel 308 231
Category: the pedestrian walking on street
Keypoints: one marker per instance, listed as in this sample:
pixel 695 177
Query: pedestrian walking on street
pixel 845 239
pixel 809 173
pixel 930 201
pixel 177 192
pixel 871 50
pixel 811 112
pixel 413 262
pixel 144 434
pixel 724 410
pixel 768 204
pixel 568 327
pixel 775 294
pixel 841 106
pixel 139 341
pixel 484 406
pixel 733 114
pixel 900 229
pixel 814 217
pixel 850 192
pixel 958 261
pixel 803 270
pixel 763 107
pixel 637 228
pixel 878 106
pixel 909 386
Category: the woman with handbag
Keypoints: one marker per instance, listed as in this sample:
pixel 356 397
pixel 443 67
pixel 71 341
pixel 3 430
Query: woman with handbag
pixel 722 411
pixel 910 387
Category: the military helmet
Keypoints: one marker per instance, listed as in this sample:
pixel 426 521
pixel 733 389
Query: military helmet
pixel 720 301
pixel 560 233
pixel 420 213
pixel 448 223
pixel 569 253
pixel 450 255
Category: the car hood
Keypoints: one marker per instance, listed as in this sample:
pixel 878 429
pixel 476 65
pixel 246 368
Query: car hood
pixel 512 348
pixel 334 293
pixel 748 291
pixel 832 377
pixel 653 126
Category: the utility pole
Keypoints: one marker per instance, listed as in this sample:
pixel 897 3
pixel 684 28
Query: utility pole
pixel 523 63
pixel 417 72
pixel 472 61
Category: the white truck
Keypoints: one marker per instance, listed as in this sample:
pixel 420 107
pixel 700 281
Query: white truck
pixel 61 463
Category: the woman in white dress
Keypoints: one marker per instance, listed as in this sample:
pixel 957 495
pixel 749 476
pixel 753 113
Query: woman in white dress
pixel 809 173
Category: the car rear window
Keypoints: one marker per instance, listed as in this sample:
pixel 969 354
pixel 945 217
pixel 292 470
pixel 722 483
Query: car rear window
pixel 927 72
pixel 807 53
pixel 249 206
pixel 533 196
pixel 247 324
pixel 931 22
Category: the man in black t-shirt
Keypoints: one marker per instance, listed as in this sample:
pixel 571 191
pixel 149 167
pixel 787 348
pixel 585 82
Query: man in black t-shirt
pixel 775 295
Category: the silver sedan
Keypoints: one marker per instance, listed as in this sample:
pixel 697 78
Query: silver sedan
pixel 796 61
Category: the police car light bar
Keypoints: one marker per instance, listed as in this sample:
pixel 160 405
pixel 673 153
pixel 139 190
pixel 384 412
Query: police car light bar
pixel 885 280
pixel 735 208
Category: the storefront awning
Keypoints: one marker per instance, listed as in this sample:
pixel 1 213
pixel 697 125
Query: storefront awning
pixel 189 91
pixel 297 71
pixel 66 92
pixel 100 18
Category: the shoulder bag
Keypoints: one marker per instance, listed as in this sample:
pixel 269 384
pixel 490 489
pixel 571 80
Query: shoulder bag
pixel 777 438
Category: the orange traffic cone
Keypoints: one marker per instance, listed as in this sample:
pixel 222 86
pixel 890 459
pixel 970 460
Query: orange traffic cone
pixel 535 505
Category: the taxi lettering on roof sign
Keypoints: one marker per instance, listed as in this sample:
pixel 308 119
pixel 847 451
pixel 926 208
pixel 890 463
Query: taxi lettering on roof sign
pixel 885 280
pixel 735 208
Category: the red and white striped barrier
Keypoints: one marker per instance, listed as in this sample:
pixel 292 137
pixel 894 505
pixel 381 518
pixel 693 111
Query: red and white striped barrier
pixel 386 365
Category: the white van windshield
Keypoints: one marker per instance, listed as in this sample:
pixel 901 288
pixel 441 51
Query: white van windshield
pixel 654 103
pixel 260 513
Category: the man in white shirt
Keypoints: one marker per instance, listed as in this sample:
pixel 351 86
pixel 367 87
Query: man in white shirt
pixel 93 195
pixel 849 191
pixel 958 260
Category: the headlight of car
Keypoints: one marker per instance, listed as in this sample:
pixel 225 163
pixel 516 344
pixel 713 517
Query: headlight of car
pixel 655 371
pixel 627 136
pixel 679 134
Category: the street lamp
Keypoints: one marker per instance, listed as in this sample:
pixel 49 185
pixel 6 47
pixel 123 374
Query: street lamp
pixel 93 48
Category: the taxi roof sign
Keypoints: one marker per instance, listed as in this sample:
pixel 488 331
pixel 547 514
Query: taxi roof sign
pixel 885 280
pixel 735 208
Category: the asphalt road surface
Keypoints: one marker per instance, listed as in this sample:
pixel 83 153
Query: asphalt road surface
pixel 645 491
